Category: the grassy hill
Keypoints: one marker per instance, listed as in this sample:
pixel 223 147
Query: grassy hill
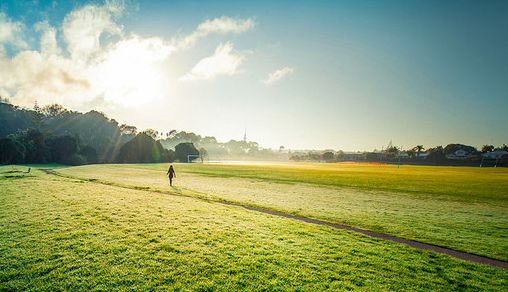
pixel 71 234
pixel 461 208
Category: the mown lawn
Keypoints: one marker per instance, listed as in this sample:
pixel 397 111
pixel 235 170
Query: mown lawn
pixel 462 208
pixel 65 234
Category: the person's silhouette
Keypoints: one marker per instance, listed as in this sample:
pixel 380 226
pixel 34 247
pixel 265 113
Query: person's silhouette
pixel 171 173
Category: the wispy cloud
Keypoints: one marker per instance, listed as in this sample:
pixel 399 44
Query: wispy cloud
pixel 10 33
pixel 121 71
pixel 90 57
pixel 48 42
pixel 277 75
pixel 82 29
pixel 220 25
pixel 225 61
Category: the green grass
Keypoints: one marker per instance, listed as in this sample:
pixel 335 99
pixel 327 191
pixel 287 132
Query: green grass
pixel 457 207
pixel 66 234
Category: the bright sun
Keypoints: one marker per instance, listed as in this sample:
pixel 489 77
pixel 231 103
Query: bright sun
pixel 128 75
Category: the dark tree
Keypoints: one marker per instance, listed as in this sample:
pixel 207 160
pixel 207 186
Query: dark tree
pixel 128 130
pixel 13 119
pixel 168 155
pixel 183 150
pixel 63 148
pixel 327 156
pixel 36 145
pixel 487 148
pixel 54 110
pixel 371 157
pixel 418 149
pixel 391 152
pixel 296 157
pixel 340 155
pixel 410 153
pixel 502 148
pixel 152 133
pixel 452 148
pixel 171 134
pixel 436 154
pixel 11 150
pixel 503 161
pixel 143 149
pixel 94 129
pixel 90 154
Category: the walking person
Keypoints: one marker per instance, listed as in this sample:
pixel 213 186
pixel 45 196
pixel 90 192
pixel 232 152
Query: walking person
pixel 171 173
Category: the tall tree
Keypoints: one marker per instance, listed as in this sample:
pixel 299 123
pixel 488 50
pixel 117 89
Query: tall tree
pixel 128 130
pixel 183 150
pixel 418 149
pixel 152 133
pixel 143 149
pixel 327 156
pixel 436 154
pixel 487 148
pixel 171 134
pixel 54 110
pixel 11 150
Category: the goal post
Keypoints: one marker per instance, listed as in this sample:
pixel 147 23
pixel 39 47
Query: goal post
pixel 190 158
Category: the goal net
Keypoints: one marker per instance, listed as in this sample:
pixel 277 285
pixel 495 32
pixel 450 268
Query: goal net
pixel 194 159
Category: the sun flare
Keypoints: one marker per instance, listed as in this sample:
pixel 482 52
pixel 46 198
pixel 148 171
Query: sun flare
pixel 128 74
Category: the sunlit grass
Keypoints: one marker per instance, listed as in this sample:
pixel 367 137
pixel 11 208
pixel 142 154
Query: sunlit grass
pixel 456 207
pixel 65 234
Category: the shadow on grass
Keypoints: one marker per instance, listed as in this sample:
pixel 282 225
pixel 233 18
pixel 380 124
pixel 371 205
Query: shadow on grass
pixel 12 176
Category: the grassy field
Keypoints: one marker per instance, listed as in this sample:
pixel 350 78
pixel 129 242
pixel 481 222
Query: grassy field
pixel 66 234
pixel 456 207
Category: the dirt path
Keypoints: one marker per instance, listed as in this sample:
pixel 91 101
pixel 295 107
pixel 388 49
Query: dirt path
pixel 415 244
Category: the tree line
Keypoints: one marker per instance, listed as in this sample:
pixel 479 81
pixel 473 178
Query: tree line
pixel 54 134
pixel 418 154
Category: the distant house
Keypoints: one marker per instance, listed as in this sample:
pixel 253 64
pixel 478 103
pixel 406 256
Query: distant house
pixel 353 156
pixel 403 155
pixel 421 155
pixel 494 154
pixel 459 154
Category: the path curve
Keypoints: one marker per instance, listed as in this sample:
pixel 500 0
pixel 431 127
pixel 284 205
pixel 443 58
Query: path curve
pixel 415 244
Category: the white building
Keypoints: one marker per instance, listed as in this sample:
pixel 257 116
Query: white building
pixel 494 154
pixel 459 154
pixel 403 155
pixel 422 155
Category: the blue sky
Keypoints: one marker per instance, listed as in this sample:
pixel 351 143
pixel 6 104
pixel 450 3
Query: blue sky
pixel 348 75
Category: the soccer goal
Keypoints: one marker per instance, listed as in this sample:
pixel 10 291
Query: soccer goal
pixel 194 158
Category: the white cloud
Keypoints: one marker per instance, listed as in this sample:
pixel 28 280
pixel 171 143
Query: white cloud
pixel 31 75
pixel 277 75
pixel 123 72
pixel 221 25
pixel 48 41
pixel 89 58
pixel 225 25
pixel 225 61
pixel 10 33
pixel 82 29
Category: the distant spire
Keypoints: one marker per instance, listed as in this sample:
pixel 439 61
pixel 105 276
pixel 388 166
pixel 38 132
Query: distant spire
pixel 36 107
pixel 245 135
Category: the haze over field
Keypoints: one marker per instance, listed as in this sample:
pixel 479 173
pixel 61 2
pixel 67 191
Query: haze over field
pixel 345 75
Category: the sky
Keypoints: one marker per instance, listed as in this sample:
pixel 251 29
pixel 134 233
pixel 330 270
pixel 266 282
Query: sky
pixel 342 75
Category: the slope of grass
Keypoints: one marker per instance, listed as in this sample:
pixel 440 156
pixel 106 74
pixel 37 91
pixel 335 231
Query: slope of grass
pixel 65 234
pixel 456 207
pixel 469 184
